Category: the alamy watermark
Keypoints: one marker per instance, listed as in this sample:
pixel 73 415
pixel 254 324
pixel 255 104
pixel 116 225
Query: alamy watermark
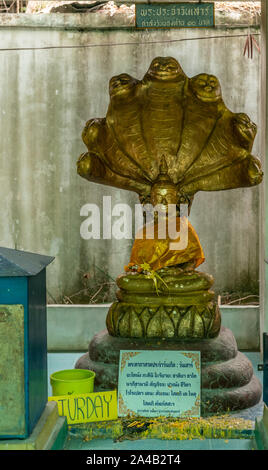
pixel 117 222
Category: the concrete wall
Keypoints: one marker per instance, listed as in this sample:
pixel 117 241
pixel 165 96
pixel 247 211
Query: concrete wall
pixel 47 96
pixel 65 334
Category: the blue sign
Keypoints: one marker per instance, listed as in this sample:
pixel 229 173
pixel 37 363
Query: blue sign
pixel 159 383
pixel 175 15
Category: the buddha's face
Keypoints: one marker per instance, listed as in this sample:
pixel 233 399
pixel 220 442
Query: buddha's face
pixel 122 85
pixel 163 196
pixel 244 129
pixel 164 68
pixel 206 88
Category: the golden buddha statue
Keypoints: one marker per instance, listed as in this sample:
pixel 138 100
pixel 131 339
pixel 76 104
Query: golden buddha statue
pixel 166 137
pixel 162 295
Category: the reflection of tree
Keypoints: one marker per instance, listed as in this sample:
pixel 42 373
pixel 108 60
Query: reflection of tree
pixel 68 6
pixel 10 6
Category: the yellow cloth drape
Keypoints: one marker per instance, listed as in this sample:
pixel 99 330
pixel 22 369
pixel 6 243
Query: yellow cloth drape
pixel 157 253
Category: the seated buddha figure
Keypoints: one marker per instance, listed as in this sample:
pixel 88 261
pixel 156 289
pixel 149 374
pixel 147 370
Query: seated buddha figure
pixel 154 244
pixel 161 294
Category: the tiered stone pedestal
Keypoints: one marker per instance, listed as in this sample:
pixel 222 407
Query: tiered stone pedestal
pixel 227 379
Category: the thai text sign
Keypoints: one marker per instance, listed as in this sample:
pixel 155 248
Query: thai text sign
pixel 175 15
pixel 159 383
pixel 87 407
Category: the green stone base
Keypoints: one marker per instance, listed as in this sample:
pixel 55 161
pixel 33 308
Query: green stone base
pixel 182 306
pixel 49 433
pixel 163 321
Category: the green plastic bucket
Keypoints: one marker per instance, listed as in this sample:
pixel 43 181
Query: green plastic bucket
pixel 72 381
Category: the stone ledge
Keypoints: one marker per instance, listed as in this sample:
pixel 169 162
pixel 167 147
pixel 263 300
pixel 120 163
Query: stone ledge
pixel 102 20
pixel 49 432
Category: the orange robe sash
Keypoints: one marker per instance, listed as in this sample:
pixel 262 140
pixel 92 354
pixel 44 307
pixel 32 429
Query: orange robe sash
pixel 157 253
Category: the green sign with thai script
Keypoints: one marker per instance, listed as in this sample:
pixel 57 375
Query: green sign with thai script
pixel 159 383
pixel 175 15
